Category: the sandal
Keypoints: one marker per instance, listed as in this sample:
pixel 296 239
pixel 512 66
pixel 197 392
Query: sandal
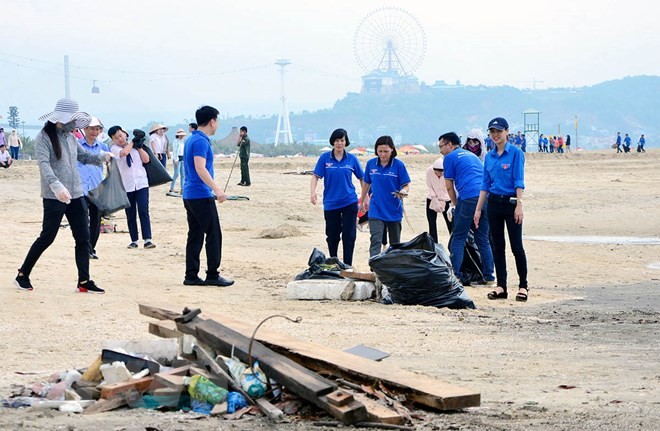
pixel 498 295
pixel 522 297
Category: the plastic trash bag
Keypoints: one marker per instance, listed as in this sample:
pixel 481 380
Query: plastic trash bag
pixel 110 196
pixel 321 267
pixel 471 267
pixel 418 272
pixel 156 172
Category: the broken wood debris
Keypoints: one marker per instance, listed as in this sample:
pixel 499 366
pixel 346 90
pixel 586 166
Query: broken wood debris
pixel 351 389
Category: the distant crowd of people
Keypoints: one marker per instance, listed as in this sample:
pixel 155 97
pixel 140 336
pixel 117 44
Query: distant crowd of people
pixel 554 144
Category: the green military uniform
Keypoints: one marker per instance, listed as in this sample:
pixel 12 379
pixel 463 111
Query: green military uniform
pixel 244 154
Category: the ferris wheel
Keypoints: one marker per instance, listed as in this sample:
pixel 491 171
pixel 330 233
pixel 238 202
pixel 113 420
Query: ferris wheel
pixel 389 39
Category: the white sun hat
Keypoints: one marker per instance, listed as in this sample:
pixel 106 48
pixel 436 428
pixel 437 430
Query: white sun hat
pixel 67 110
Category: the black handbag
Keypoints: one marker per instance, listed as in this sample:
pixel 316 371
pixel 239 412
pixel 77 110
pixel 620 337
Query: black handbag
pixel 110 196
pixel 156 172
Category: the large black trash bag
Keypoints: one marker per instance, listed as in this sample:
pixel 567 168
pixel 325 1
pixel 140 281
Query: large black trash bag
pixel 418 272
pixel 110 196
pixel 471 266
pixel 321 267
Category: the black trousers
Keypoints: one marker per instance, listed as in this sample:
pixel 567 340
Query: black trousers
pixel 341 224
pixel 76 214
pixel 203 221
pixel 432 218
pixel 245 171
pixel 94 224
pixel 500 214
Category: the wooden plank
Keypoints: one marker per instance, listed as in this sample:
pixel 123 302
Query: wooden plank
pixel 379 413
pixel 272 412
pixel 365 276
pixel 422 389
pixel 299 380
pixel 104 405
pixel 161 312
pixel 172 382
pixel 339 398
pixel 141 385
pixel 164 329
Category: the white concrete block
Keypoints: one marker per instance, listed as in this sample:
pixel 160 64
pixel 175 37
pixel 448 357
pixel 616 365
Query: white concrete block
pixel 348 290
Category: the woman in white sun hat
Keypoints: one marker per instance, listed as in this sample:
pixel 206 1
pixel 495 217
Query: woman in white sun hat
pixel 177 159
pixel 58 152
pixel 158 142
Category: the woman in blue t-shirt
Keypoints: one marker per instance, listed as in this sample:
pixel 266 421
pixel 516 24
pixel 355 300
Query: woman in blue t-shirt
pixel 388 179
pixel 340 201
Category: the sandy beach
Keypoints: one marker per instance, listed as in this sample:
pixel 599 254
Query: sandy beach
pixel 592 320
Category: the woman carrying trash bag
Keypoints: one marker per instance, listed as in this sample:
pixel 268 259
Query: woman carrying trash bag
pixel 58 152
pixel 130 159
pixel 388 179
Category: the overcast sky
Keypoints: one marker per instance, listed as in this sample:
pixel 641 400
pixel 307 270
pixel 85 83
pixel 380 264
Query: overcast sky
pixel 161 60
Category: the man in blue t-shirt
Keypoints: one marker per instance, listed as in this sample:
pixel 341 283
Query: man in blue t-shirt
pixel 463 176
pixel 626 143
pixel 618 142
pixel 200 191
pixel 640 144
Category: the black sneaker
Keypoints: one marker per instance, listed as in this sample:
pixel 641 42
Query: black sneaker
pixel 132 245
pixel 89 287
pixel 93 256
pixel 149 244
pixel 220 281
pixel 193 282
pixel 23 282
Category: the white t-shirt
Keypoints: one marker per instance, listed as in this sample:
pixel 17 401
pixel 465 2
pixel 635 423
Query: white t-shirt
pixel 134 177
pixel 157 143
pixel 4 156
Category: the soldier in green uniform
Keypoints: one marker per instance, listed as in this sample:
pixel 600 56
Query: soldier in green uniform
pixel 244 154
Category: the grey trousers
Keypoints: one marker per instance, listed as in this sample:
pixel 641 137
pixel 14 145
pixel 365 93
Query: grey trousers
pixel 376 228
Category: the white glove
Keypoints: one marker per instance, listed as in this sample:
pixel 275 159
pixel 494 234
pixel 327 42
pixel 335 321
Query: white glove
pixel 450 212
pixel 63 195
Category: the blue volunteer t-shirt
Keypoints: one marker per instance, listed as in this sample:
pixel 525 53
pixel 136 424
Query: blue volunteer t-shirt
pixel 466 170
pixel 197 145
pixel 384 180
pixel 503 174
pixel 338 188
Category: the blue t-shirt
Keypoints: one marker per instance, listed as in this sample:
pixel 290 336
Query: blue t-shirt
pixel 466 170
pixel 91 175
pixel 384 180
pixel 197 145
pixel 505 173
pixel 338 188
pixel 618 139
pixel 626 141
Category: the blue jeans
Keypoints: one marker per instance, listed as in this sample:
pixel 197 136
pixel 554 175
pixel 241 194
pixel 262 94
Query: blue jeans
pixel 13 152
pixel 178 170
pixel 139 200
pixel 463 221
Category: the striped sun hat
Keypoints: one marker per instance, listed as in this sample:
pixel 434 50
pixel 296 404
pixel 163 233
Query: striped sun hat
pixel 66 110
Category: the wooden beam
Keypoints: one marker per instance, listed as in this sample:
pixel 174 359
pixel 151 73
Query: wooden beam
pixel 164 329
pixel 299 380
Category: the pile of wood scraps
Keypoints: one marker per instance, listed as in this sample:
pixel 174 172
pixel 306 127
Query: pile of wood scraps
pixel 226 368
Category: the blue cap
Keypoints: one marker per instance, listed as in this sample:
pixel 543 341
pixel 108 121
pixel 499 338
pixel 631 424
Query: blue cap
pixel 498 123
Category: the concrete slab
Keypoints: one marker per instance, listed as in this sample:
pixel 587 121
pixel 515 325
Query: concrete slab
pixel 347 290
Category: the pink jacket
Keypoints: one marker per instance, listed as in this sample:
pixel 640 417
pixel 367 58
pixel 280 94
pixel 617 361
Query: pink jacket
pixel 437 190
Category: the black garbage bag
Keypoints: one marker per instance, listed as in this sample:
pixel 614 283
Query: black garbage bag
pixel 110 195
pixel 418 272
pixel 471 266
pixel 321 267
